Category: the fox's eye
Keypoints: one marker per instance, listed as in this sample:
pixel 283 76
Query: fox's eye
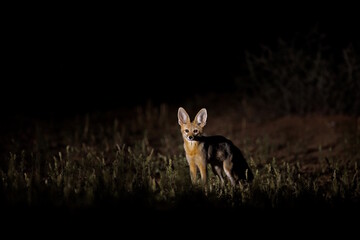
pixel 186 130
pixel 196 131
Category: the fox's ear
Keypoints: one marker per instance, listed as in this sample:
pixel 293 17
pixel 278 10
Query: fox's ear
pixel 183 117
pixel 201 117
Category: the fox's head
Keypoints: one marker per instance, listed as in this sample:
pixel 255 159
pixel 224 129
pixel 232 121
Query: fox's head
pixel 191 130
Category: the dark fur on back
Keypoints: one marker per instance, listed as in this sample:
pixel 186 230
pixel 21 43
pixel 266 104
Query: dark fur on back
pixel 219 149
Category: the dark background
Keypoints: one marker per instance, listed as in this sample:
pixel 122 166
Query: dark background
pixel 78 60
pixel 61 61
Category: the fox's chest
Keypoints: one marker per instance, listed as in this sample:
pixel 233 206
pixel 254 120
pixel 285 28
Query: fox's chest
pixel 193 148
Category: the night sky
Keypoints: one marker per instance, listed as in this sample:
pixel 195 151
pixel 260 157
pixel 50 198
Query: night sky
pixel 81 61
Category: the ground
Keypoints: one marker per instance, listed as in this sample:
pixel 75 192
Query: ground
pixel 129 162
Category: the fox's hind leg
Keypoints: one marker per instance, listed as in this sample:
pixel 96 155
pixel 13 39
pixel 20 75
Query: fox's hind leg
pixel 217 171
pixel 227 165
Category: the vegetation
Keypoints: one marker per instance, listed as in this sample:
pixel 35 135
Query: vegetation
pixel 304 75
pixel 134 158
pixel 89 162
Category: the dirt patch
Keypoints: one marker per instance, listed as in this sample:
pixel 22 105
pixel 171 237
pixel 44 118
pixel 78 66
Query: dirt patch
pixel 311 140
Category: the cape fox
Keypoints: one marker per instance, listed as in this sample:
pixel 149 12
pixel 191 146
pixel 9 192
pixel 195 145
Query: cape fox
pixel 218 151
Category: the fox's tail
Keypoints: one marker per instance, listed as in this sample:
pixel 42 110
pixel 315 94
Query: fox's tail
pixel 241 168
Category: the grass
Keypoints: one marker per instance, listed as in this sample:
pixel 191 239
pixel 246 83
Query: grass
pixel 139 162
pixel 125 169
pixel 131 161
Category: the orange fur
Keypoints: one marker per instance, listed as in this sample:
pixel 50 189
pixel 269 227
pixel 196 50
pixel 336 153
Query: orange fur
pixel 219 152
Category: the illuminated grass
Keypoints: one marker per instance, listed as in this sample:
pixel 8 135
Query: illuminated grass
pixel 97 164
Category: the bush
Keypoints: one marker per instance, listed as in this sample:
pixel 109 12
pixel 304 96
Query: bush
pixel 305 75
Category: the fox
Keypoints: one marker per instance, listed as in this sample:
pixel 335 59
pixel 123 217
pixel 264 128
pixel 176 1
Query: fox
pixel 224 157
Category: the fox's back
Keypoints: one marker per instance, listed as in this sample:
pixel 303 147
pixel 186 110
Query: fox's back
pixel 219 149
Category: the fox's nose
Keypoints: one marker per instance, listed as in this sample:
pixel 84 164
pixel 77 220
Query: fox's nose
pixel 191 137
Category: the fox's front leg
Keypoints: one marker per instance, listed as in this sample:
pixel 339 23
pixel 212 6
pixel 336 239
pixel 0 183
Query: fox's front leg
pixel 193 172
pixel 203 172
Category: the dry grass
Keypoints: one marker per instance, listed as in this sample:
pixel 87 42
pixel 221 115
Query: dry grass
pixel 109 160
